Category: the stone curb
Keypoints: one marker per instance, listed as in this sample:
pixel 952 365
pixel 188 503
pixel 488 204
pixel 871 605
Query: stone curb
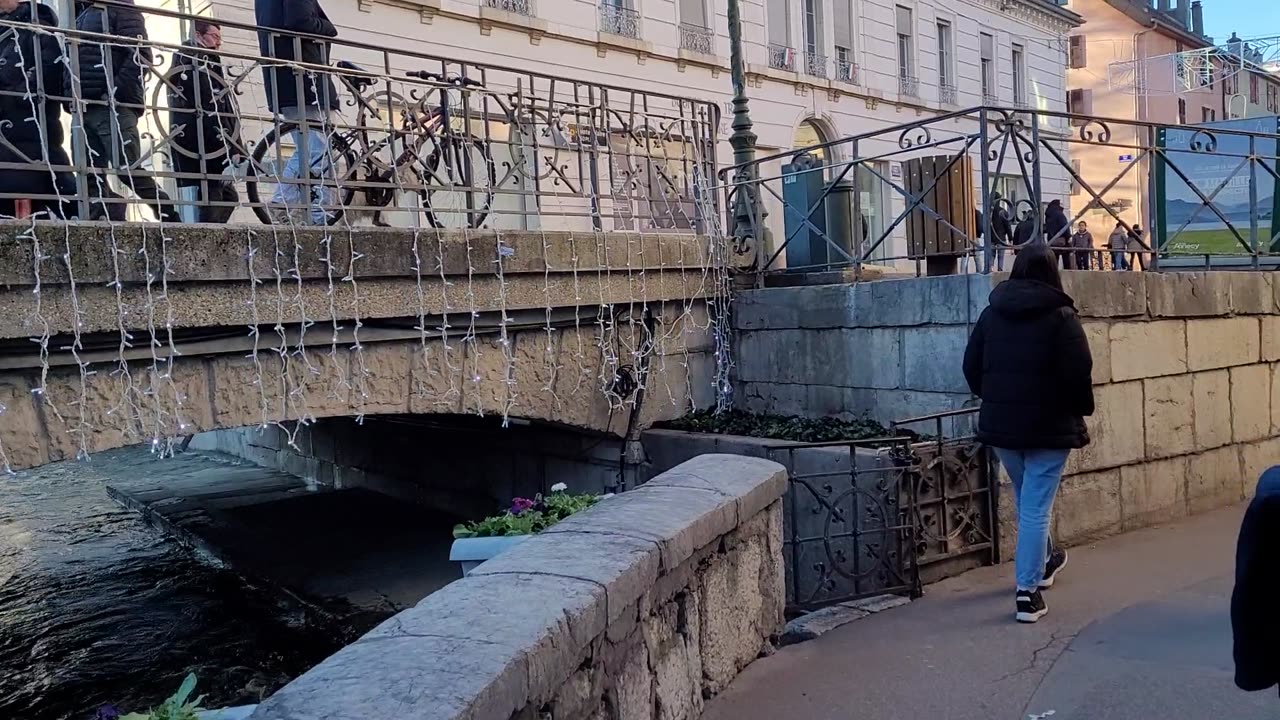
pixel 820 622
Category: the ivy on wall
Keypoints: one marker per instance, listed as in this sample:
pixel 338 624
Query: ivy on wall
pixel 779 427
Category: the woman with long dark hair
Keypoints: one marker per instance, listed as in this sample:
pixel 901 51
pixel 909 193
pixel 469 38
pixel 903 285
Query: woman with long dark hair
pixel 1029 361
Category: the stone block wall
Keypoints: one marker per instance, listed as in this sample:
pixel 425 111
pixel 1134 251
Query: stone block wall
pixel 640 607
pixel 1186 374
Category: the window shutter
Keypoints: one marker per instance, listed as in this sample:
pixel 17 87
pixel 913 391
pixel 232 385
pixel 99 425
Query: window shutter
pixel 904 21
pixel 844 24
pixel 1077 55
pixel 779 30
pixel 693 12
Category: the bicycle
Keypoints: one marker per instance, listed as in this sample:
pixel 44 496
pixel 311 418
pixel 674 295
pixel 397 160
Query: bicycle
pixel 455 180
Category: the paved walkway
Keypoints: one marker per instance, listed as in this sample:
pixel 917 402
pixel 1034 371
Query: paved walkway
pixel 1138 628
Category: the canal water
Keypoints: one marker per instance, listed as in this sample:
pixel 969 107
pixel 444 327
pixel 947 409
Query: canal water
pixel 97 607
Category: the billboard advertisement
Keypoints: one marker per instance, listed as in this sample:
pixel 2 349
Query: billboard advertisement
pixel 1185 224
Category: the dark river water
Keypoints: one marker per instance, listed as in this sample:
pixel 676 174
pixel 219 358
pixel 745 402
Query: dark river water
pixel 97 607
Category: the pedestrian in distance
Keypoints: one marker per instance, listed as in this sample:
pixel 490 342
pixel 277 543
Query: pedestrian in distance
pixel 1058 230
pixel 1255 625
pixel 1118 242
pixel 204 123
pixel 1028 360
pixel 1137 258
pixel 107 80
pixel 303 101
pixel 1082 241
pixel 1001 230
pixel 31 88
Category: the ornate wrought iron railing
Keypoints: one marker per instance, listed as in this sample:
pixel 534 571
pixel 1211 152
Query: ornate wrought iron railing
pixel 618 20
pixel 909 85
pixel 519 7
pixel 947 94
pixel 696 38
pixel 409 139
pixel 958 192
pixel 815 64
pixel 782 57
pixel 847 71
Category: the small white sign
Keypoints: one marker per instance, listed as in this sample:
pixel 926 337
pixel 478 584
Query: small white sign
pixel 895 171
pixel 1126 158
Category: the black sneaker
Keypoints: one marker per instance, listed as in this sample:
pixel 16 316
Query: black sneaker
pixel 1057 561
pixel 1031 606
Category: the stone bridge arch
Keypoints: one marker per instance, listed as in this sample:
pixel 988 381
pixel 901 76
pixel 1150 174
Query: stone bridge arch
pixel 102 349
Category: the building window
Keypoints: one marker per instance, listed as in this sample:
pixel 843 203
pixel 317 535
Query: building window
pixel 1182 111
pixel 988 67
pixel 1019 59
pixel 846 69
pixel 617 17
pixel 1080 102
pixel 1253 88
pixel 1208 115
pixel 1076 52
pixel 781 54
pixel 695 35
pixel 815 60
pixel 946 64
pixel 906 47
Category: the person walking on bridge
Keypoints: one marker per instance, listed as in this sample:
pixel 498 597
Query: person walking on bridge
pixel 1028 360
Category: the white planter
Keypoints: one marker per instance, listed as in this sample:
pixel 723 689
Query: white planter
pixel 470 552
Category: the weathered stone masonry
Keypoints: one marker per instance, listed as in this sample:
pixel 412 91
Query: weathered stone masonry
pixel 641 607
pixel 1186 374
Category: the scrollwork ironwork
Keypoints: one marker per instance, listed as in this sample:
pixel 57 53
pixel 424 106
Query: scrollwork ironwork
pixel 1095 131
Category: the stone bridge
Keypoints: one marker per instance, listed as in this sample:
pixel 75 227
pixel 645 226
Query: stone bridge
pixel 118 334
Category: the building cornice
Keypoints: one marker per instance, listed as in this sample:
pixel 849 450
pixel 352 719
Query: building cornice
pixel 1040 13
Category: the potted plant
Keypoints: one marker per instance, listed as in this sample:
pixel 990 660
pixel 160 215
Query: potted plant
pixel 477 541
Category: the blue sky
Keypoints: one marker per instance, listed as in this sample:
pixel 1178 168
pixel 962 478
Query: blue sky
pixel 1249 18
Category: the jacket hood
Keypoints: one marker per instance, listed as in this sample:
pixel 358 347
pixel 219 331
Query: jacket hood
pixel 1027 299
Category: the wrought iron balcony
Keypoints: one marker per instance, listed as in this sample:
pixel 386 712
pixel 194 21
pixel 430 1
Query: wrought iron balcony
pixel 782 57
pixel 947 94
pixel 617 20
pixel 990 99
pixel 815 64
pixel 909 85
pixel 848 71
pixel 519 7
pixel 696 38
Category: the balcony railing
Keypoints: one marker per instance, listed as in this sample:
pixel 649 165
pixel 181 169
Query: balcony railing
pixel 947 94
pixel 519 7
pixel 848 71
pixel 782 57
pixel 909 85
pixel 617 20
pixel 696 38
pixel 815 64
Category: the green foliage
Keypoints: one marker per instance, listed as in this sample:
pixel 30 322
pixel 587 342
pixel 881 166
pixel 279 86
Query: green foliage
pixel 528 517
pixel 779 427
pixel 176 707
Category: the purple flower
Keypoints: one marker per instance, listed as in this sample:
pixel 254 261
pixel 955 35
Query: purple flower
pixel 519 505
pixel 107 712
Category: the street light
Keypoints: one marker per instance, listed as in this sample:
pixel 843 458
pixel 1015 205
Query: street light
pixel 743 141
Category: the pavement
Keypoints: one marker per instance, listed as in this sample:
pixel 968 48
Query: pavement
pixel 1138 627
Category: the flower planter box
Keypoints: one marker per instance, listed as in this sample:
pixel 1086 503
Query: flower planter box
pixel 472 551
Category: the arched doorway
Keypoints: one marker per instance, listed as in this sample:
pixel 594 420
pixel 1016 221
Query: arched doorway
pixel 810 135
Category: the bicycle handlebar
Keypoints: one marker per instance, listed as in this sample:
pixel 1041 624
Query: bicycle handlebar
pixel 442 78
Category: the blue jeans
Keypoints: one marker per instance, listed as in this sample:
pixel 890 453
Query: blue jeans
pixel 310 137
pixel 1035 475
pixel 1118 260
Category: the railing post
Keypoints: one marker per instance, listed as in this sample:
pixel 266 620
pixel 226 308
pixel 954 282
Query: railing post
pixel 988 251
pixel 1153 185
pixel 1253 200
pixel 743 141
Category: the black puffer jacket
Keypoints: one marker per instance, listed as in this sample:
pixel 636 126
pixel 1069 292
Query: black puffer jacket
pixel 203 116
pixel 304 17
pixel 1254 623
pixel 128 62
pixel 1029 361
pixel 1056 226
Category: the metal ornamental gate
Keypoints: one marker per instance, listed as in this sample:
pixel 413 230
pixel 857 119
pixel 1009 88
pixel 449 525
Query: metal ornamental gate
pixel 886 515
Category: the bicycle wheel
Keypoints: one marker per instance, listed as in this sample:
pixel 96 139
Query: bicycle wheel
pixel 277 198
pixel 459 183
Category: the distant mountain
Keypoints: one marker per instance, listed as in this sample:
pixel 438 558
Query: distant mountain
pixel 1178 211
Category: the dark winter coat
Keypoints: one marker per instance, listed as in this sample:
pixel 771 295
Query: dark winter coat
pixel 29 64
pixel 203 116
pixel 1056 226
pixel 295 16
pixel 1001 228
pixel 128 79
pixel 1026 230
pixel 1029 361
pixel 1255 624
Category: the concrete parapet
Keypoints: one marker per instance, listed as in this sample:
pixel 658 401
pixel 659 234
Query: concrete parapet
pixel 655 598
